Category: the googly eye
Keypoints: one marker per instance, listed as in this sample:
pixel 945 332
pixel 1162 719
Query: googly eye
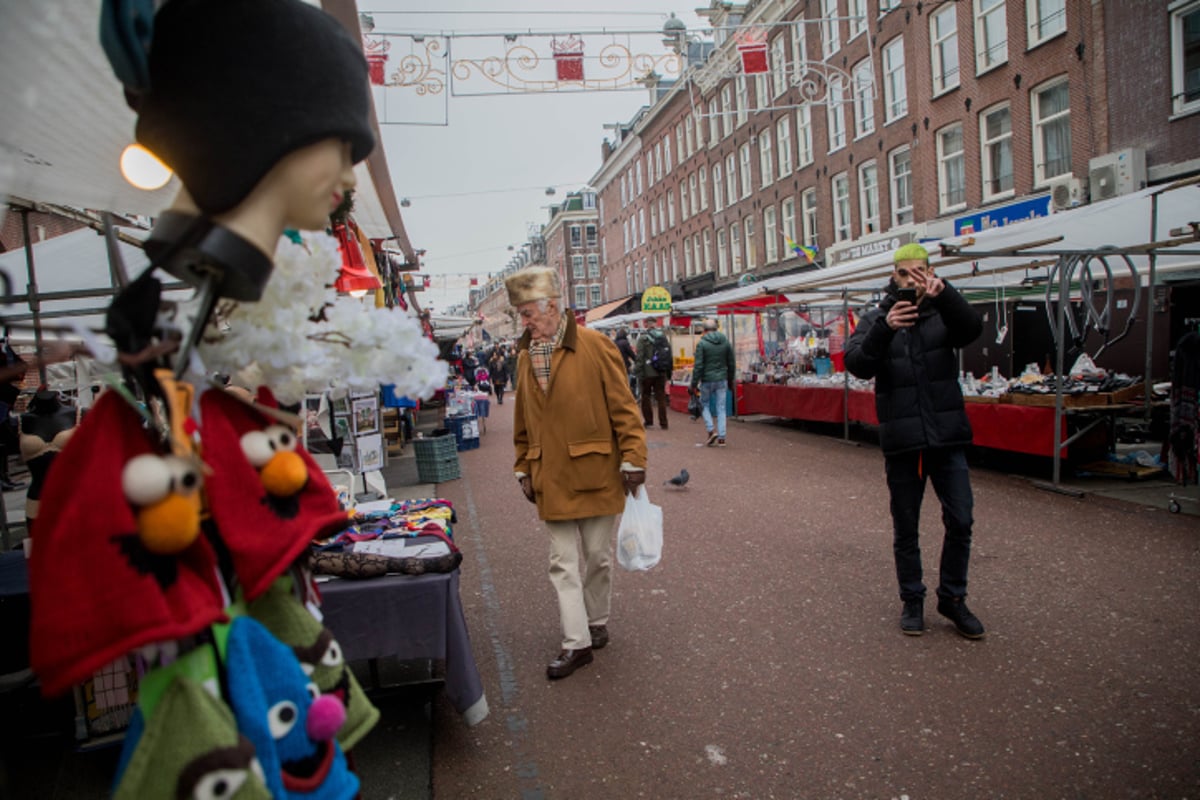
pixel 313 690
pixel 332 656
pixel 185 478
pixel 145 479
pixel 257 448
pixel 282 437
pixel 219 784
pixel 282 717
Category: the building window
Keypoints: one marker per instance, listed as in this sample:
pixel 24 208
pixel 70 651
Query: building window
pixel 655 266
pixel 696 252
pixel 731 178
pixel 862 88
pixel 836 114
pixel 770 242
pixel 695 190
pixel 761 100
pixel 799 51
pixel 766 164
pixel 887 5
pixel 674 264
pixel 858 18
pixel 751 244
pixel 589 200
pixel 808 215
pixel 779 82
pixel 625 236
pixel 687 259
pixel 735 247
pixel 868 197
pixel 1051 111
pixel 576 237
pixel 595 295
pixel 581 297
pixel 783 138
pixel 951 179
pixel 690 139
pixel 902 198
pixel 593 262
pixel 670 209
pixel 638 172
pixel 707 250
pixel 666 154
pixel 727 109
pixel 630 285
pixel 684 200
pixel 831 37
pixel 744 166
pixel 1047 19
pixel 743 98
pixel 995 149
pixel 703 186
pixel 590 235
pixel 840 186
pixel 718 203
pixel 804 136
pixel 895 87
pixel 943 48
pixel 1185 58
pixel 787 213
pixel 991 35
pixel 722 255
pixel 698 122
pixel 714 123
pixel 653 222
pixel 680 151
pixel 645 276
pixel 577 267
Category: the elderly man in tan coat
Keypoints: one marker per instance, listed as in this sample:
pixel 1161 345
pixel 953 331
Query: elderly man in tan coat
pixel 580 447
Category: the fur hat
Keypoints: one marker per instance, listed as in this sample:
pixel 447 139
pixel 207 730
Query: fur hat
pixel 532 283
pixel 910 252
pixel 235 86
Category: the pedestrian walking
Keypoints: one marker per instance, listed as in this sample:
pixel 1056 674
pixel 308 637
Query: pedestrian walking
pixel 627 353
pixel 498 367
pixel 580 449
pixel 653 368
pixel 908 346
pixel 713 373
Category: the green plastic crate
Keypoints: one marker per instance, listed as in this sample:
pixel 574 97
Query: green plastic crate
pixel 437 458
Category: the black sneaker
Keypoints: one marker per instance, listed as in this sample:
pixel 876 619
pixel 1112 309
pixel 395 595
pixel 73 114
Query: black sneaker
pixel 964 621
pixel 912 618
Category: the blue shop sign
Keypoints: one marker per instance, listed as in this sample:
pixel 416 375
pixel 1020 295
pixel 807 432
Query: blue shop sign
pixel 1003 215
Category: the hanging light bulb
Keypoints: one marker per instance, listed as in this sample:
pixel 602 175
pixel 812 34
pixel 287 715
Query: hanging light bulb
pixel 143 169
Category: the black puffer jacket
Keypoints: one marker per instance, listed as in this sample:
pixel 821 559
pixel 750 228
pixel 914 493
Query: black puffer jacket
pixel 917 396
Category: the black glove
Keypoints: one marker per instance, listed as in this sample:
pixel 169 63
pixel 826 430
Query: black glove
pixel 527 488
pixel 633 480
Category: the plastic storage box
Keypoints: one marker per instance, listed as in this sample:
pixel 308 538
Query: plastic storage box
pixel 437 458
pixel 466 430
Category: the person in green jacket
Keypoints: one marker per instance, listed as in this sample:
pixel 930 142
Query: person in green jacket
pixel 713 373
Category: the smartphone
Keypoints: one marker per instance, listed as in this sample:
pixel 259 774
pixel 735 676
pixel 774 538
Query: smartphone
pixel 907 295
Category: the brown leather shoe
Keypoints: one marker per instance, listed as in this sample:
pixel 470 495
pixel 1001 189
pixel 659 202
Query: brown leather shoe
pixel 568 661
pixel 599 635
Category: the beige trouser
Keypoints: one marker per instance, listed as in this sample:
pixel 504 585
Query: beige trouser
pixel 586 601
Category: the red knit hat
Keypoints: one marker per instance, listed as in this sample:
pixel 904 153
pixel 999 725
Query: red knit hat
pixel 267 496
pixel 96 590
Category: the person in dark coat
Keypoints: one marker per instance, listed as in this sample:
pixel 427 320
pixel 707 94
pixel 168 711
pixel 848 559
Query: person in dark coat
pixel 713 374
pixel 498 368
pixel 653 382
pixel 627 353
pixel 909 349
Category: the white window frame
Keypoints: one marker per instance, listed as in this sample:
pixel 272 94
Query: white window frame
pixel 694 191
pixel 593 265
pixel 751 243
pixel 831 34
pixel 991 34
pixel 630 281
pixel 787 217
pixel 690 136
pixel 638 173
pixel 731 180
pixel 761 84
pixel 722 254
pixel 943 47
pixel 653 221
pixel 744 159
pixel 680 148
pixel 735 247
pixel 743 99
pixel 1180 102
pixel 770 235
pixel 698 122
pixel 580 297
pixel 839 192
pixel 674 264
pixel 718 201
pixel 590 234
pixel 657 267
pixel 1000 145
pixel 727 111
pixel 783 141
pixel 799 50
pixel 641 226
pixel 900 181
pixel 835 114
pixel 670 209
pixel 808 215
pixel 951 166
pixel 1046 19
pixel 667 155
pixel 707 251
pixel 804 136
pixel 1041 173
pixel 577 271
pixel 862 82
pixel 687 259
pixel 779 82
pixel 766 157
pixel 594 290
pixel 576 236
pixel 702 185
pixel 714 123
pixel 696 253
pixel 857 22
pixel 868 197
pixel 895 81
pixel 684 201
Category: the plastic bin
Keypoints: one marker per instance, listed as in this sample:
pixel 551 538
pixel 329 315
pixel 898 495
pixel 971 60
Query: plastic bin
pixel 437 458
pixel 466 430
pixel 823 366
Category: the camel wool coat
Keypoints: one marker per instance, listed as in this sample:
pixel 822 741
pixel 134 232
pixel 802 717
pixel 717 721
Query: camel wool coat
pixel 572 438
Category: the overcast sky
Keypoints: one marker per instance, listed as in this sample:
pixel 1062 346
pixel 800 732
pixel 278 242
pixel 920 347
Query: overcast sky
pixel 476 182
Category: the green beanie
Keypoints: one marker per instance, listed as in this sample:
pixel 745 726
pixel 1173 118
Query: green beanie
pixel 909 252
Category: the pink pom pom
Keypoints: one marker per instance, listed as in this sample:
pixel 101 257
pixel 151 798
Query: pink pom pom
pixel 325 718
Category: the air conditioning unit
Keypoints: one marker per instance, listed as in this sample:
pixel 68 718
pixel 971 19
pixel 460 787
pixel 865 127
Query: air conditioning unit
pixel 1067 191
pixel 1117 173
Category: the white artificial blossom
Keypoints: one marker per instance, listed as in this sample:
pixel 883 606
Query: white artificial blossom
pixel 302 337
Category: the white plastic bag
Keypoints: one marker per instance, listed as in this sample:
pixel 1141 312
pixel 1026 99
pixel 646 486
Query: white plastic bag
pixel 640 536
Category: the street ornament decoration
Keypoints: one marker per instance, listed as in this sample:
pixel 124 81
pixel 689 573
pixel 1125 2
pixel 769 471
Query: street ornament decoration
pixel 568 58
pixel 752 47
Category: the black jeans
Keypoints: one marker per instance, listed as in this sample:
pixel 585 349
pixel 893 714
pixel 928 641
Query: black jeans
pixel 906 474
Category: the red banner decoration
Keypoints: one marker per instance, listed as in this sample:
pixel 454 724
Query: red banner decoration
pixel 568 58
pixel 752 47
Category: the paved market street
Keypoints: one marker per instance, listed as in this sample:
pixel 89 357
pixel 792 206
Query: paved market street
pixel 762 658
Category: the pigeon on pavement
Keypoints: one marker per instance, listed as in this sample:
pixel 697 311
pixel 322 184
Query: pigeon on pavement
pixel 679 480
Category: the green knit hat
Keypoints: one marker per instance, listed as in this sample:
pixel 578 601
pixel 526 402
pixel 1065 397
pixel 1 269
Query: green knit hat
pixel 910 252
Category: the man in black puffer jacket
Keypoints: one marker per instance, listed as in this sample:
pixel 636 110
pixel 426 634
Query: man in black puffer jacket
pixel 909 349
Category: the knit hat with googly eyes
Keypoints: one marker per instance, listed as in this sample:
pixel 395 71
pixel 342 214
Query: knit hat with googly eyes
pixel 267 496
pixel 110 572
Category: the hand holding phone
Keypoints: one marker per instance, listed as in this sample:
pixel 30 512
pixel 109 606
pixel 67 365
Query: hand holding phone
pixel 908 295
